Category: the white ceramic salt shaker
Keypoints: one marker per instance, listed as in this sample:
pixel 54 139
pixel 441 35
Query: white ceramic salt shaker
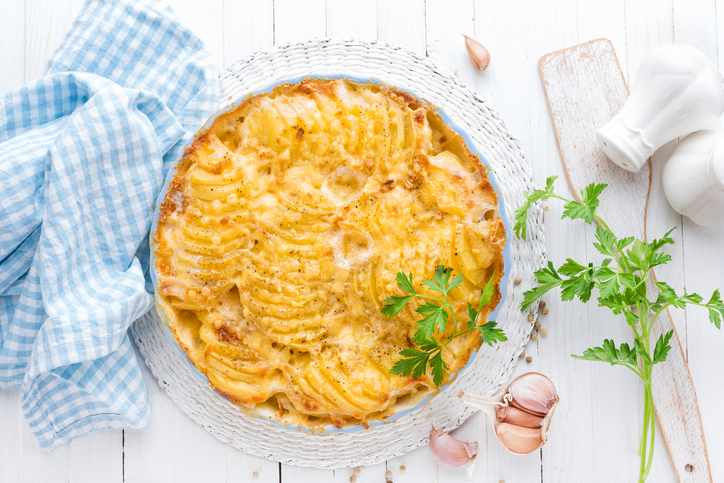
pixel 677 90
pixel 694 178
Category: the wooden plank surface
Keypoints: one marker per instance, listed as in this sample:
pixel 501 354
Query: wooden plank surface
pixel 590 436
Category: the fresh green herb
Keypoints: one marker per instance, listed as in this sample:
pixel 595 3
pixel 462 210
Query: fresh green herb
pixel 621 280
pixel 437 312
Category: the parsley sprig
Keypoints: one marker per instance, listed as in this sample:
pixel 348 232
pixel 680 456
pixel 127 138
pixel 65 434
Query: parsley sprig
pixel 437 312
pixel 621 281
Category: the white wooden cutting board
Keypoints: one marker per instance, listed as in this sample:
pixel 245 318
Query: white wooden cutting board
pixel 585 89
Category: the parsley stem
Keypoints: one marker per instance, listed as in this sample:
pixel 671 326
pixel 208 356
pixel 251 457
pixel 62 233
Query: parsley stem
pixel 643 280
pixel 595 216
pixel 602 223
pixel 430 297
pixel 636 370
pixel 649 429
pixel 640 311
pixel 656 315
pixel 455 335
pixel 633 326
pixel 455 319
pixel 458 334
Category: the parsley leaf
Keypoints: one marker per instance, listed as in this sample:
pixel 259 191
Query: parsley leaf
pixel 580 285
pixel 441 280
pixel 486 295
pixel 607 286
pixel 662 347
pixel 716 309
pixel 405 282
pixel 656 245
pixel 395 304
pixel 606 239
pixel 472 315
pixel 587 207
pixel 571 268
pixel 547 279
pixel 413 362
pixel 622 243
pixel 624 355
pixel 491 333
pixel 521 214
pixel 436 317
pixel 438 366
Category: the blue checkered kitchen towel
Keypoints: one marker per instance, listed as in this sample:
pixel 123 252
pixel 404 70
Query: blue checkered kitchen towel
pixel 83 155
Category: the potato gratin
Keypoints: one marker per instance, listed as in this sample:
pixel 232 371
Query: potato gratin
pixel 282 232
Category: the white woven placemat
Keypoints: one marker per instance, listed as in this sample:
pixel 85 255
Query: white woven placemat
pixel 491 367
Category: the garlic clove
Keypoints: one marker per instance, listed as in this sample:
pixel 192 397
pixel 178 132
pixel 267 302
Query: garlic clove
pixel 519 440
pixel 527 410
pixel 449 451
pixel 533 392
pixel 518 417
pixel 479 55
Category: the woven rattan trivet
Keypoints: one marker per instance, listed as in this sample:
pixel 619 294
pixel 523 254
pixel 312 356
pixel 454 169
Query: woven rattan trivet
pixel 491 367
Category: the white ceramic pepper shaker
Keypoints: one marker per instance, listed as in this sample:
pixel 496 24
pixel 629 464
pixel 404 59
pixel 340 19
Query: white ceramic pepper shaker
pixel 677 90
pixel 693 178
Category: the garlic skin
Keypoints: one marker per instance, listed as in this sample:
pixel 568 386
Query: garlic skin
pixel 521 412
pixel 533 392
pixel 449 451
pixel 479 55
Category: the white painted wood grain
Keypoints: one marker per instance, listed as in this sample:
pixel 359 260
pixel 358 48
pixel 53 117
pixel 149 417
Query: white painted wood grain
pixel 402 23
pixel 12 46
pixel 587 441
pixel 699 23
pixel 445 23
pixel 46 24
pixel 648 24
pixel 248 28
pixel 514 63
pixel 206 19
pixel 296 21
pixel 11 431
pixel 351 19
pixel 98 457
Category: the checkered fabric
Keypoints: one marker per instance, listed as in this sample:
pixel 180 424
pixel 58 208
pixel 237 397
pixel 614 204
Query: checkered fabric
pixel 83 155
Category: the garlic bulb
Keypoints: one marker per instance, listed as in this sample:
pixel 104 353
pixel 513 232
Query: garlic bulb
pixel 479 55
pixel 521 412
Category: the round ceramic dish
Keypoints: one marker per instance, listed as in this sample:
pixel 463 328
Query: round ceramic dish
pixel 330 428
pixel 488 368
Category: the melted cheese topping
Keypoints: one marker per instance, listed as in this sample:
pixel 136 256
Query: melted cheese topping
pixel 282 234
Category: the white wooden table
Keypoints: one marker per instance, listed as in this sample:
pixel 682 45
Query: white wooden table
pixel 594 435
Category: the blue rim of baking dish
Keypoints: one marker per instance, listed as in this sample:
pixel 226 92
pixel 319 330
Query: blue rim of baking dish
pixel 330 428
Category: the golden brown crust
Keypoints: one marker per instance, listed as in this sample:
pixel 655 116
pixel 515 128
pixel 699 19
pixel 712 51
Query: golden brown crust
pixel 281 234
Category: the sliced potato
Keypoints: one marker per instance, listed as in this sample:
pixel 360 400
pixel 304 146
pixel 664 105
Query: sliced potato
pixel 465 259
